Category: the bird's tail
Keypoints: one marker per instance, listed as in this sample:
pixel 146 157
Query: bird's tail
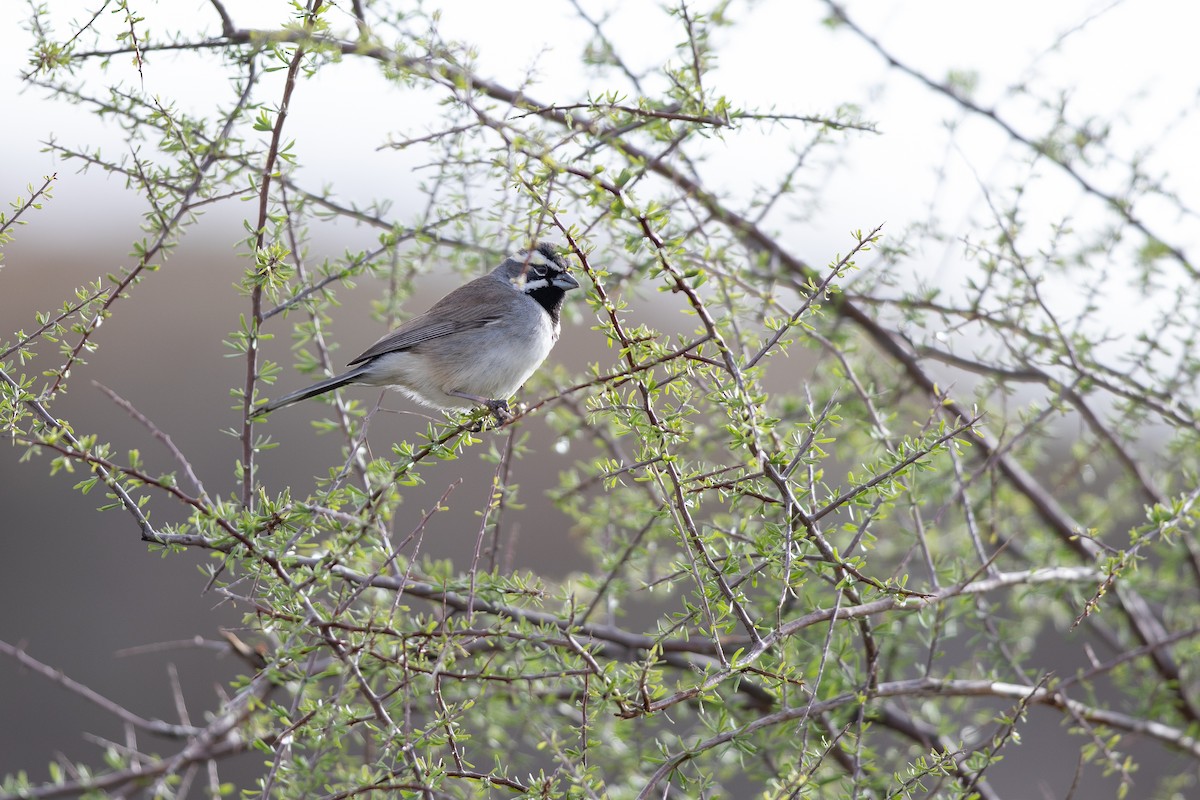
pixel 327 385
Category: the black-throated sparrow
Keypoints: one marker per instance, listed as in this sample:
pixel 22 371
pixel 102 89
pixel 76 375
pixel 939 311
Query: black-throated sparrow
pixel 475 346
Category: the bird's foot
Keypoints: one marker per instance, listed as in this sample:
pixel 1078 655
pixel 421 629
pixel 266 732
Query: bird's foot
pixel 500 411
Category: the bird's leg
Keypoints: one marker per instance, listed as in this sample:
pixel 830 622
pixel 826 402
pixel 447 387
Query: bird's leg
pixel 499 408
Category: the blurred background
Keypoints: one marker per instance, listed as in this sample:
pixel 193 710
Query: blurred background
pixel 1131 62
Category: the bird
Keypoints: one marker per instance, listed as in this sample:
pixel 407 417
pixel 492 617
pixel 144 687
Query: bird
pixel 474 347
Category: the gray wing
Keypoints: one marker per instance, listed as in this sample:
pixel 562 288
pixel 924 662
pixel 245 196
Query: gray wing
pixel 410 335
pixel 461 310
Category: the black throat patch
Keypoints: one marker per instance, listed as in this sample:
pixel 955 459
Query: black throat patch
pixel 549 297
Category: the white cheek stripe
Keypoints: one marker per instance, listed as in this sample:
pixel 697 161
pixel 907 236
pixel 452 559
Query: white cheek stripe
pixel 533 286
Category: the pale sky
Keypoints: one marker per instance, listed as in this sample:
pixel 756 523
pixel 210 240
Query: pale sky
pixel 1133 63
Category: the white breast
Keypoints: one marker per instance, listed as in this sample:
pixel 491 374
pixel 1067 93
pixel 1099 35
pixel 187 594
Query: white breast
pixel 515 347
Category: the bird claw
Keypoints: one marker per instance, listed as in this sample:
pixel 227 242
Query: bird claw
pixel 500 410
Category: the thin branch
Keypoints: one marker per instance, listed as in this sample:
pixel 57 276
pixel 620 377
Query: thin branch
pixel 155 726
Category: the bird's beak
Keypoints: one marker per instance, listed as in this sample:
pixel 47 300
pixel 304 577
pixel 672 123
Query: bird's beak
pixel 565 282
